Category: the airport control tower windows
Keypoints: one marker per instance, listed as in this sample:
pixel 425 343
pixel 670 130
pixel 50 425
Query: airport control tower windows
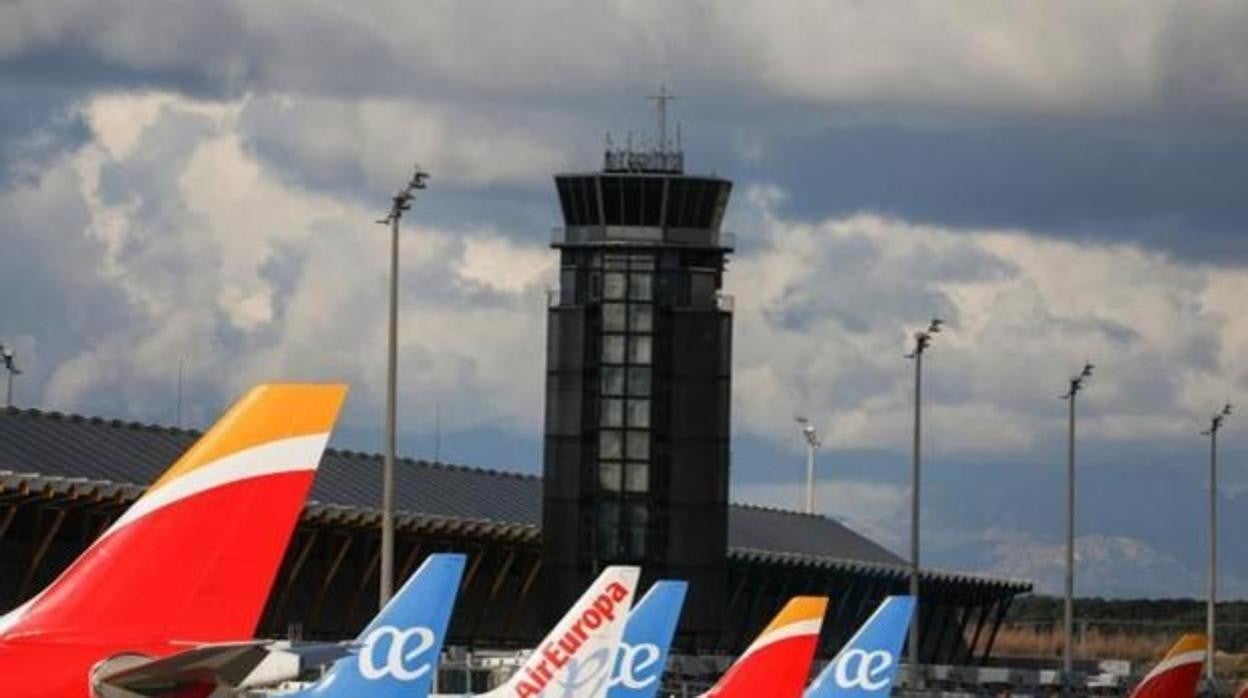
pixel 638 371
pixel 624 402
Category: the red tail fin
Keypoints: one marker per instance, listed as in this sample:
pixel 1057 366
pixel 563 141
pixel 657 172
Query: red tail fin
pixel 1178 673
pixel 194 557
pixel 777 664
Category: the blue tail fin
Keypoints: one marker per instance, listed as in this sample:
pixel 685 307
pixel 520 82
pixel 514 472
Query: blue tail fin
pixel 647 637
pixel 866 665
pixel 398 651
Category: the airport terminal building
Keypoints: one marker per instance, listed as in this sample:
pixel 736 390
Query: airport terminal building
pixel 636 467
pixel 64 478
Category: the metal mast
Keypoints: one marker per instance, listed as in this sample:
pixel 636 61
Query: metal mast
pixel 400 202
pixel 922 340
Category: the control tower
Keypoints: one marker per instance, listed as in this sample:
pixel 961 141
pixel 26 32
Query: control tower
pixel 638 374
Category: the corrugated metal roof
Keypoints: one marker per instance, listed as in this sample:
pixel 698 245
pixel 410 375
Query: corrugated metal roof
pixel 58 446
pixel 756 528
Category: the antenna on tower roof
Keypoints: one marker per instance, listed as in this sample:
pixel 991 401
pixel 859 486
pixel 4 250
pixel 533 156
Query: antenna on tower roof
pixel 661 100
pixel 661 158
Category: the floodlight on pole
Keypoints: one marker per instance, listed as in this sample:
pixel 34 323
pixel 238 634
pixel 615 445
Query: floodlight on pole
pixel 922 340
pixel 1215 424
pixel 10 366
pixel 812 444
pixel 1068 615
pixel 399 203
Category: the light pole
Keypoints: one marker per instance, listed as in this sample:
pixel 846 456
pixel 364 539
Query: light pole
pixel 1215 423
pixel 1068 616
pixel 812 443
pixel 10 365
pixel 400 202
pixel 922 340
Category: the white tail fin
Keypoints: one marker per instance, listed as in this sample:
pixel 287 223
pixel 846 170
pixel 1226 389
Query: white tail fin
pixel 577 657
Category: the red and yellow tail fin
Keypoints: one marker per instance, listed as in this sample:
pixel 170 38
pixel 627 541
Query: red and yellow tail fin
pixel 778 662
pixel 193 559
pixel 1177 675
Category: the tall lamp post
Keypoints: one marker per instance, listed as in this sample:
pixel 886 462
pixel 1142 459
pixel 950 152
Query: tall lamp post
pixel 400 202
pixel 1068 617
pixel 1215 423
pixel 922 340
pixel 10 366
pixel 812 444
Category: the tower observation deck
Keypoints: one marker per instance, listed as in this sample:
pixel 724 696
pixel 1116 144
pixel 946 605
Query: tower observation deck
pixel 638 381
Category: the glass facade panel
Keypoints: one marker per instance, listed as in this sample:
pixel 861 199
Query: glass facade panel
pixel 567 286
pixel 613 317
pixel 608 541
pixel 640 318
pixel 637 477
pixel 639 349
pixel 638 514
pixel 609 512
pixel 613 285
pixel 609 528
pixel 609 475
pixel 638 413
pixel 610 445
pixel 612 413
pixel 612 381
pixel 613 349
pixel 702 289
pixel 639 382
pixel 636 541
pixel 637 445
pixel 640 287
pixel 626 285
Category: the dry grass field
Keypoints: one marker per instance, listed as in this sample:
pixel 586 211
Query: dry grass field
pixel 1031 641
pixel 1141 648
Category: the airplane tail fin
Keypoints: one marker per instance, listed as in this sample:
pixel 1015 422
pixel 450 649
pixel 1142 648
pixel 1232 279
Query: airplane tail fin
pixel 647 638
pixel 399 649
pixel 1177 675
pixel 777 664
pixel 867 664
pixel 193 559
pixel 577 657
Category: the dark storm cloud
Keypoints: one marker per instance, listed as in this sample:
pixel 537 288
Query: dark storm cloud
pixel 1165 188
pixel 1127 124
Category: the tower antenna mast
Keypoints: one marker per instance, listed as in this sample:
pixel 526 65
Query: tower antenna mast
pixel 661 100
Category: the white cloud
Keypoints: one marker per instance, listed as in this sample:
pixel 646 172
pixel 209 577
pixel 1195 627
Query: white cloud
pixel 823 310
pixel 219 257
pixel 213 257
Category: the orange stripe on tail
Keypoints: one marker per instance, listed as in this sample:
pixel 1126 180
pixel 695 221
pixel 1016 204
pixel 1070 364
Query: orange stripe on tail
pixel 1177 675
pixel 267 413
pixel 777 663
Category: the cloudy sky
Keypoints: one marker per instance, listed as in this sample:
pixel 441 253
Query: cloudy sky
pixel 196 182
